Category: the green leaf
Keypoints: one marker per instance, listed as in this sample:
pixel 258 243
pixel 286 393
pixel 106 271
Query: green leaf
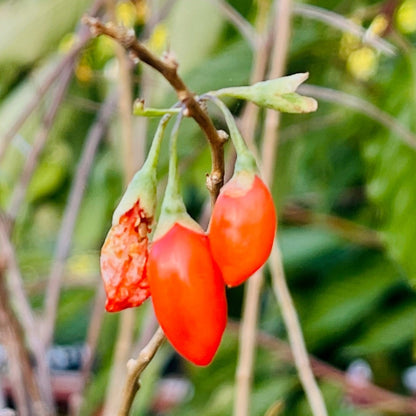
pixel 390 184
pixel 342 303
pixel 388 332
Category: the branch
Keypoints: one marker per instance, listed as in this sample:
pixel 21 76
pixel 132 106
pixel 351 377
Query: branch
pixel 348 230
pixel 63 244
pixel 94 328
pixel 25 313
pixel 83 36
pixel 135 368
pixel 241 24
pixel 297 343
pixel 341 23
pixel 363 106
pixel 39 143
pixel 25 386
pixel 130 163
pixel 244 373
pixel 363 395
pixel 168 68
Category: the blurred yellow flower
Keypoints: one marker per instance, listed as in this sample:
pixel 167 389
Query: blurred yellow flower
pixel 362 63
pixel 126 13
pixel 349 42
pixel 158 40
pixel 406 16
pixel 378 25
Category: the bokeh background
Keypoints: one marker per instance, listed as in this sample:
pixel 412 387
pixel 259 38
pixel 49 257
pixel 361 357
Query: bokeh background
pixel 344 186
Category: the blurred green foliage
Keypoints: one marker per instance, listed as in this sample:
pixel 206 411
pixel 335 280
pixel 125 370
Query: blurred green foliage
pixel 353 301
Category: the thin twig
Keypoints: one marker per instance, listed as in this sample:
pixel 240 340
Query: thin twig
pixel 168 68
pixel 26 317
pixel 83 37
pixel 40 92
pixel 245 363
pixel 118 367
pixel 129 158
pixel 269 150
pixel 25 312
pixel 63 244
pixel 24 382
pixel 341 23
pixel 363 395
pixel 94 328
pixel 241 24
pixel 251 111
pixel 39 143
pixel 364 107
pixel 348 230
pixel 135 367
pixel 158 14
pixel 148 328
pixel 297 343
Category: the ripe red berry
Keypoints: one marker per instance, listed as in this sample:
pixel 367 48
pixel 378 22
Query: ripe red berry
pixel 242 228
pixel 123 259
pixel 188 292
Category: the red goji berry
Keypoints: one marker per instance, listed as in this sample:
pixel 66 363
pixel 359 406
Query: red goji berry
pixel 242 228
pixel 188 292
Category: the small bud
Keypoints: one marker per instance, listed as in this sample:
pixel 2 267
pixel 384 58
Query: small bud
pixel 278 94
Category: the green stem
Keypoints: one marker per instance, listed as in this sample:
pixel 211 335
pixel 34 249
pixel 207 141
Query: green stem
pixel 236 92
pixel 153 155
pixel 245 160
pixel 173 201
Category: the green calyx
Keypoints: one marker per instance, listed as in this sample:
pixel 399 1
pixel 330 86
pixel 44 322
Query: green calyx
pixel 277 94
pixel 245 159
pixel 173 208
pixel 143 186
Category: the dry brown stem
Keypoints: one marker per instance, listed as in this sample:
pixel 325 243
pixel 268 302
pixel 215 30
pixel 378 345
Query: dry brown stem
pixel 294 331
pixel 168 68
pixel 131 161
pixel 39 143
pixel 25 314
pixel 84 36
pixel 63 244
pixel 253 288
pixel 24 384
pixel 135 367
pixel 365 395
pixel 348 230
pixel 94 328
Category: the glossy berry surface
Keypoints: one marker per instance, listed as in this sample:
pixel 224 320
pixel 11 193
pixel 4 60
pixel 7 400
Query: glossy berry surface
pixel 123 260
pixel 188 293
pixel 242 228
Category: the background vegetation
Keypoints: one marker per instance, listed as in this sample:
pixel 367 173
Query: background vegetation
pixel 343 183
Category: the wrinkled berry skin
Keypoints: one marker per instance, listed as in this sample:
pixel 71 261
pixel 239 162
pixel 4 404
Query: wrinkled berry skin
pixel 123 260
pixel 188 293
pixel 243 226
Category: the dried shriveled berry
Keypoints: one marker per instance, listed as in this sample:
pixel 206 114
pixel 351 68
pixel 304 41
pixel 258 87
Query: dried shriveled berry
pixel 188 292
pixel 123 260
pixel 242 228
